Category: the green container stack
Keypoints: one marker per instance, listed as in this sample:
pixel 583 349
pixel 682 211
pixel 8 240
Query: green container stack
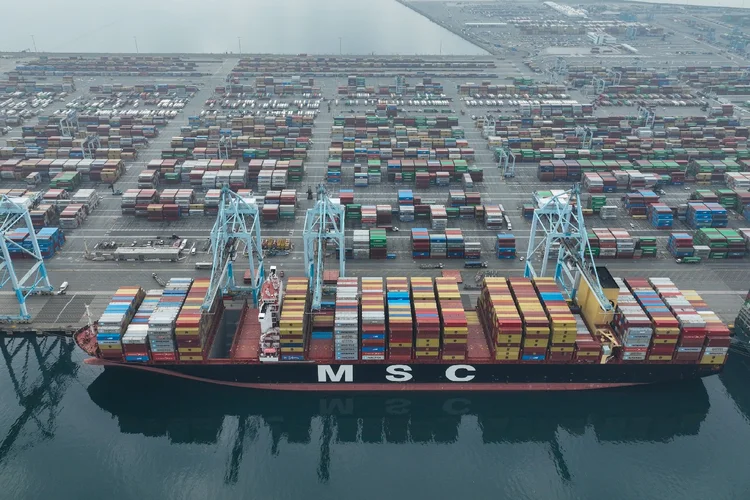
pixel 713 239
pixel 461 167
pixel 69 181
pixel 296 170
pixel 378 244
pixel 596 202
pixel 354 211
pixel 648 246
pixel 727 198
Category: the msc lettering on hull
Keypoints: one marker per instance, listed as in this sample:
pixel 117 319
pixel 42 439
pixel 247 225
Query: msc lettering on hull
pixel 393 373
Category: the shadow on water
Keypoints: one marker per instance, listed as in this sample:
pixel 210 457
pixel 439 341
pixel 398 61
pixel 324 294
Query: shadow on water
pixel 156 408
pixel 39 370
pixel 735 376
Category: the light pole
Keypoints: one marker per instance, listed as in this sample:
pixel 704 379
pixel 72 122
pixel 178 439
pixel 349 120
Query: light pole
pixel 239 43
pixel 136 45
pixel 340 46
pixel 441 47
pixel 34 42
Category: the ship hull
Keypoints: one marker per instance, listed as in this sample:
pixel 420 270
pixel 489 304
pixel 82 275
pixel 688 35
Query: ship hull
pixel 424 377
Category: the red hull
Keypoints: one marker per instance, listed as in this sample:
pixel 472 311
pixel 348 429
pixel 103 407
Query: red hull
pixel 374 387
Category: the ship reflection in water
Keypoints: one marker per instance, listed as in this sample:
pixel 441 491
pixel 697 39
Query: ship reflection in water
pixel 639 414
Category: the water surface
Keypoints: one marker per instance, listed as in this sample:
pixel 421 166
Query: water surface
pixel 70 431
pixel 202 26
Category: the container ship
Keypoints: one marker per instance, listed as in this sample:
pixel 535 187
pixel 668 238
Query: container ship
pixel 399 333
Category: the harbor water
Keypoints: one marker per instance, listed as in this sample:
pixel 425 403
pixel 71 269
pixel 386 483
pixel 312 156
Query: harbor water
pixel 69 430
pixel 195 26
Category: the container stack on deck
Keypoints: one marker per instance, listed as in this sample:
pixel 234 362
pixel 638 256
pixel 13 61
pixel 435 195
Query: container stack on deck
pixel 453 325
pixel 501 320
pixel 427 331
pixel 373 319
pixel 400 322
pixel 161 324
pixel 666 327
pixel 561 320
pixel 632 325
pixel 115 320
pixel 703 338
pixel 536 326
pixel 292 323
pixel 192 326
pixel 346 323
pixel 135 340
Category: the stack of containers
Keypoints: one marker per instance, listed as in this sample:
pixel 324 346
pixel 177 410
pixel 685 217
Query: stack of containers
pixel 361 244
pixel 135 339
pixel 625 244
pixel 501 320
pixel 373 320
pixel 588 349
pixel 346 322
pixel 632 325
pixel 719 215
pixel 369 218
pixel 666 327
pixel 493 217
pixel 680 245
pixel 420 243
pixel 692 325
pixel 536 328
pixel 378 244
pixel 161 324
pixel 400 322
pixel 454 327
pixel 660 215
pixel 472 250
pixel 427 319
pixel 115 319
pixel 438 217
pixel 191 328
pixel 292 324
pixel 505 246
pixel 438 245
pixel 454 239
pixel 717 343
pixel 698 215
pixel 561 320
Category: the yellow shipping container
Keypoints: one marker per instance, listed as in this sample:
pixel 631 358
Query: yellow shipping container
pixel 562 349
pixel 455 357
pixel 509 339
pixel 110 347
pixel 427 353
pixel 191 358
pixel 713 360
pixel 454 340
pixel 189 350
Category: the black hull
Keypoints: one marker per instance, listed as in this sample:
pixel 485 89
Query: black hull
pixel 386 376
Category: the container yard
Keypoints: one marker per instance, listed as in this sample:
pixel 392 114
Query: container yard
pixel 391 240
pixel 439 167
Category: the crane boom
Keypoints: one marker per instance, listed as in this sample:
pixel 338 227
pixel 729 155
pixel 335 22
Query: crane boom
pixel 237 220
pixel 558 226
pixel 325 221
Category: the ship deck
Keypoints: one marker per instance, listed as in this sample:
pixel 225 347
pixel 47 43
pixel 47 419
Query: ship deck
pixel 247 337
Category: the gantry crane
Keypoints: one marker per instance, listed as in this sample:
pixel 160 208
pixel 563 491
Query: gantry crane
pixel 323 222
pixel 237 220
pixel 35 280
pixel 558 222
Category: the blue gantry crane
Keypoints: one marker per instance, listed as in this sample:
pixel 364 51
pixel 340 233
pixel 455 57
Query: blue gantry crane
pixel 323 222
pixel 238 220
pixel 14 212
pixel 558 228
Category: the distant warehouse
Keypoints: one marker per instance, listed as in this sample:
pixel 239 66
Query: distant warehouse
pixel 629 48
